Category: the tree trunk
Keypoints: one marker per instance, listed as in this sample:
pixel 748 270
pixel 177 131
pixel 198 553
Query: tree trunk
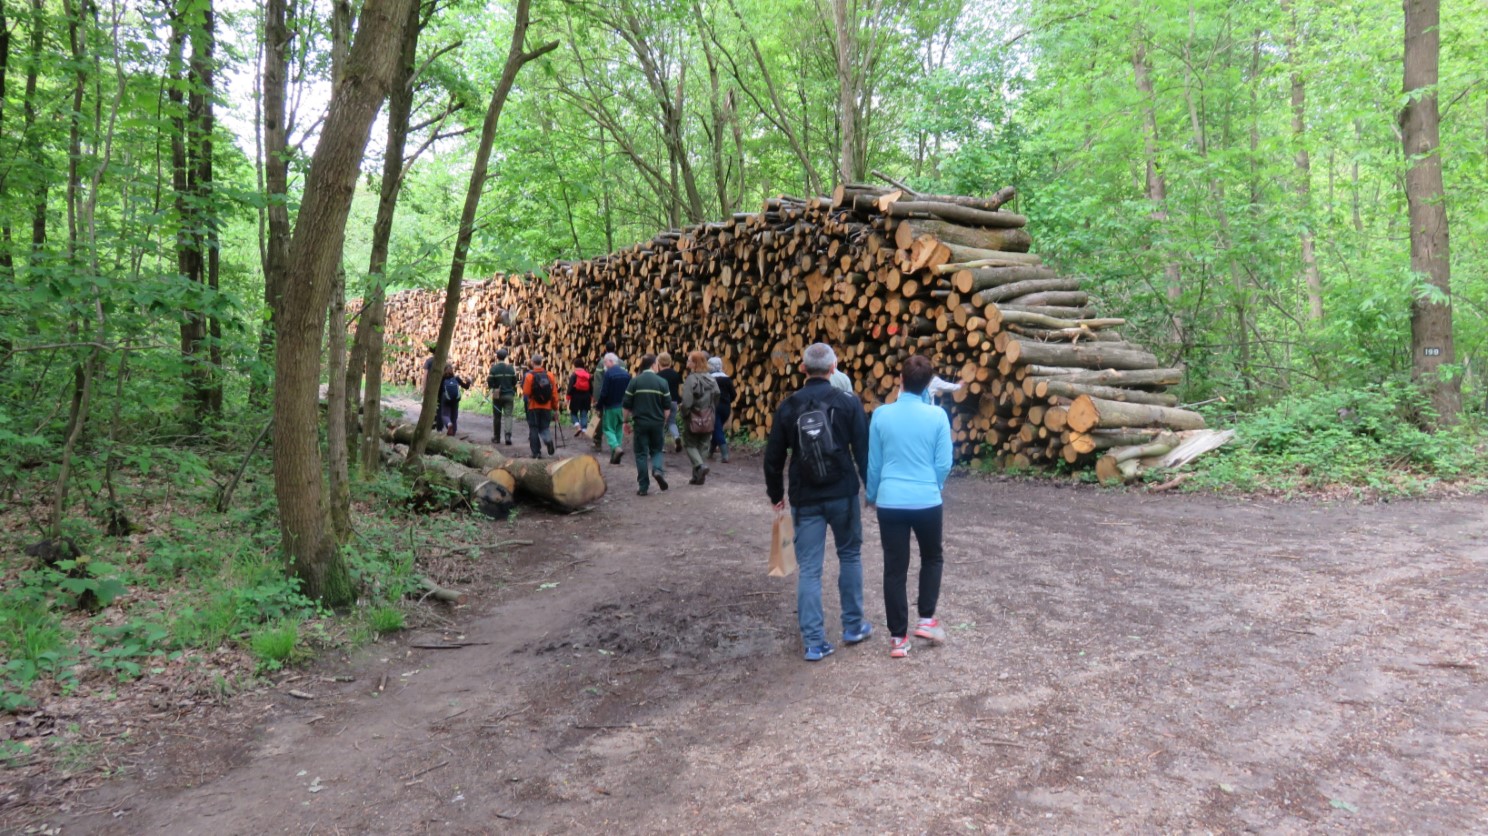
pixel 515 59
pixel 276 169
pixel 315 254
pixel 1157 186
pixel 846 25
pixel 369 332
pixel 1431 315
pixel 1311 279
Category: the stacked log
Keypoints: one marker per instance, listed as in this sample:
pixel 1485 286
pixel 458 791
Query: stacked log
pixel 878 274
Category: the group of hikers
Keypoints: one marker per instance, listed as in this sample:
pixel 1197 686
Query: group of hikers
pixel 821 451
pixel 658 400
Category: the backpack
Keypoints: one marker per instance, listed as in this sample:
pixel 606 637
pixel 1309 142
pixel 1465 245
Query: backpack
pixel 542 388
pixel 582 381
pixel 700 421
pixel 820 453
pixel 451 389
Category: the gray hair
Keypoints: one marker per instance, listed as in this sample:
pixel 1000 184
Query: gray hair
pixel 537 359
pixel 715 364
pixel 819 359
pixel 610 359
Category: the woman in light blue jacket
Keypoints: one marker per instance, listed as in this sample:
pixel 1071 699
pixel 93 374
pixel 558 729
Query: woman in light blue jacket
pixel 909 457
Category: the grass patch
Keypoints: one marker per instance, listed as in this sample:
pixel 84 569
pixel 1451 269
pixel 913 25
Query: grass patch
pixel 386 619
pixel 276 646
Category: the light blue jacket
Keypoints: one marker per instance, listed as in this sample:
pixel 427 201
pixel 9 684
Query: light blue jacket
pixel 909 454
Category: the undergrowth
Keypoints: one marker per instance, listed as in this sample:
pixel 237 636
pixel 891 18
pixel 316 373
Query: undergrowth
pixel 190 583
pixel 1366 440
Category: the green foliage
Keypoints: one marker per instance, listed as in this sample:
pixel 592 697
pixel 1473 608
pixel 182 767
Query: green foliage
pixel 1360 438
pixel 386 619
pixel 122 648
pixel 276 645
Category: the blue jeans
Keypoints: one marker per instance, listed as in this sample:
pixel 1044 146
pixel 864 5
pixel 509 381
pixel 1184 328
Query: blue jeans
pixel 845 519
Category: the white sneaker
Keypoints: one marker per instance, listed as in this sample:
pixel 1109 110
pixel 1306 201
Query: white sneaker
pixel 929 628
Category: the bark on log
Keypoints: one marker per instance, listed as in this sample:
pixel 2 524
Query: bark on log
pixel 1110 377
pixel 1093 356
pixel 1065 388
pixel 982 240
pixel 953 213
pixel 1088 413
pixel 1012 291
pixel 569 483
pixel 967 282
pixel 464 485
pixel 1108 468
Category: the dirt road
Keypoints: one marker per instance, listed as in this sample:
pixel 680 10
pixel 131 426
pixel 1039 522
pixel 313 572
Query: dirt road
pixel 1117 661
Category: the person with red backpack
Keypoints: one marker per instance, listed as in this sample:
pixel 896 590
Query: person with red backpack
pixel 542 401
pixel 580 394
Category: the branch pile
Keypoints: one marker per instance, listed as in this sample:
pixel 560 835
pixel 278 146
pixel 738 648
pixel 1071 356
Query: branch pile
pixel 880 275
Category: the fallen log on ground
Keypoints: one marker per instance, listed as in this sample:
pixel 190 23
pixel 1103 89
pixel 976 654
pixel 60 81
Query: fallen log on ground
pixel 569 483
pixel 449 484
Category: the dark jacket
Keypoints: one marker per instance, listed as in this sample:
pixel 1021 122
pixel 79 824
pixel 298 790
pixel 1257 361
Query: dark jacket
pixel 612 388
pixel 849 428
pixel 648 398
pixel 725 392
pixel 674 380
pixel 502 380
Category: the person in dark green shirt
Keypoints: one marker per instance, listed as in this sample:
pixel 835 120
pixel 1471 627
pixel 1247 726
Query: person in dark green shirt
pixel 648 403
pixel 502 381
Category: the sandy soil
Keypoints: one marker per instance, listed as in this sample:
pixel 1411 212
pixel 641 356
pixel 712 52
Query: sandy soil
pixel 1117 661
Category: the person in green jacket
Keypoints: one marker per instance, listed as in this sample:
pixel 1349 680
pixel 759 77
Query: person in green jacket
pixel 648 403
pixel 502 381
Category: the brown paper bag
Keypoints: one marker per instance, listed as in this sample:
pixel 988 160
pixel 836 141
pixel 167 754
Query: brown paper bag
pixel 595 421
pixel 782 546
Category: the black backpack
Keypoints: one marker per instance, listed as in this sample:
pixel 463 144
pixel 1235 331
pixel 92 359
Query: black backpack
pixel 452 389
pixel 820 453
pixel 542 388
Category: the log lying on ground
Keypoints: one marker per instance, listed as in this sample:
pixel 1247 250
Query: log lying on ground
pixel 569 483
pixel 1064 388
pixel 1110 466
pixel 465 485
pixel 1095 356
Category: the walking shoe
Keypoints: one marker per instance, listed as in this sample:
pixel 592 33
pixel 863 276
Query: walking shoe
pixel 929 628
pixel 854 636
pixel 495 439
pixel 725 457
pixel 508 441
pixel 550 447
pixel 660 479
pixel 694 479
pixel 702 473
pixel 898 648
pixel 615 456
pixel 678 447
pixel 712 454
pixel 641 492
pixel 818 652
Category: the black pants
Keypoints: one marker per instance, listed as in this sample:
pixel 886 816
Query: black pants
pixel 894 526
pixel 539 429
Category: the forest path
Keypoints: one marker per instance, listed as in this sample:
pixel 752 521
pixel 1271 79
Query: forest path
pixel 1117 661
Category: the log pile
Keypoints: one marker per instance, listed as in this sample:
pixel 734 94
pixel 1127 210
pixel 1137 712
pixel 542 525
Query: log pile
pixel 880 275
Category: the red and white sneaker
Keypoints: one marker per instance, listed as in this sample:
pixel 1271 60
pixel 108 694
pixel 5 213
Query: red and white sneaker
pixel 898 648
pixel 929 628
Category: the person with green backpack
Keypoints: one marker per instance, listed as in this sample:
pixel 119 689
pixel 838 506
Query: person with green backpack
pixel 502 382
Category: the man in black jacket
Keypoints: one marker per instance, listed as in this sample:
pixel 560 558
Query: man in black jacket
pixel 826 433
